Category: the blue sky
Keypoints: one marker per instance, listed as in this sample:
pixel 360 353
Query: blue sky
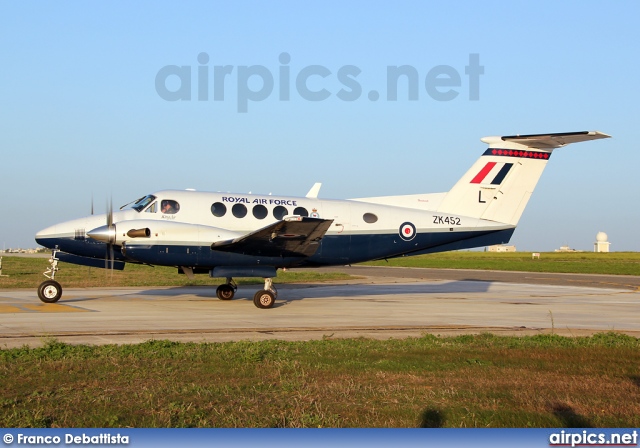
pixel 81 116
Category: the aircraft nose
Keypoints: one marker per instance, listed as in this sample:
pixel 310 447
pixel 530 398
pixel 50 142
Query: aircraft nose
pixel 65 231
pixel 46 234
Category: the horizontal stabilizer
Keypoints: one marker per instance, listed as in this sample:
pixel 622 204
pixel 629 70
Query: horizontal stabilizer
pixel 545 141
pixel 292 237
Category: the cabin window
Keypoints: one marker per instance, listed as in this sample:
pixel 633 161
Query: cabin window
pixel 143 202
pixel 219 209
pixel 239 210
pixel 280 212
pixel 169 207
pixel 152 208
pixel 370 218
pixel 301 211
pixel 260 211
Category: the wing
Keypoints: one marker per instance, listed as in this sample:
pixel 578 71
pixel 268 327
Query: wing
pixel 292 237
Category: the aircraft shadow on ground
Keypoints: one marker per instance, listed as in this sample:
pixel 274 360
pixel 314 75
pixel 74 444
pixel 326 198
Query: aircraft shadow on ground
pixel 569 418
pixel 437 418
pixel 293 292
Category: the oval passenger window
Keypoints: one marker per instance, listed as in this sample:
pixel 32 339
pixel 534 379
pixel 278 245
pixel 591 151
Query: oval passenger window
pixel 370 218
pixel 260 211
pixel 239 210
pixel 279 212
pixel 219 209
pixel 301 211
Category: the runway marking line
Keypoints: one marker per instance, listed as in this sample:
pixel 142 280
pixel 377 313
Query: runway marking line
pixel 5 309
pixel 40 308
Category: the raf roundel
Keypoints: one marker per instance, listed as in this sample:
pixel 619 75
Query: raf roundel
pixel 407 231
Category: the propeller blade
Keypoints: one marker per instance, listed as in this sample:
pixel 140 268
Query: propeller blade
pixel 110 212
pixel 109 257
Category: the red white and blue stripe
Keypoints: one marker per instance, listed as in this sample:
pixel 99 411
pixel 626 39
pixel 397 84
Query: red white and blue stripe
pixel 492 173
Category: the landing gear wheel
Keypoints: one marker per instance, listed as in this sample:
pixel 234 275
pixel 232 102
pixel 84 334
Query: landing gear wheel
pixel 225 292
pixel 264 299
pixel 50 291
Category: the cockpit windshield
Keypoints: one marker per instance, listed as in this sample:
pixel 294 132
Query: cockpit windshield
pixel 141 203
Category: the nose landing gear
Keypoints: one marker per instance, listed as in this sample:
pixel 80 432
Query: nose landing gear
pixel 50 290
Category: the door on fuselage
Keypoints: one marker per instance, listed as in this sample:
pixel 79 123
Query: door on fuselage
pixel 336 244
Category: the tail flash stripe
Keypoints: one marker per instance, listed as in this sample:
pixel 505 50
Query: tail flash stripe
pixel 502 174
pixel 483 173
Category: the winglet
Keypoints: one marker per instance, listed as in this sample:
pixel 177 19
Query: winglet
pixel 313 193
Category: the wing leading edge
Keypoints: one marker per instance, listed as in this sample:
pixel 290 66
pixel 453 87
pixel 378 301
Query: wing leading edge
pixel 292 237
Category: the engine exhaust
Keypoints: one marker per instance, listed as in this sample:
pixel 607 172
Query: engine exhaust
pixel 139 233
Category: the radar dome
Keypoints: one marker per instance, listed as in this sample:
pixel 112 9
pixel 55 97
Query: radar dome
pixel 601 237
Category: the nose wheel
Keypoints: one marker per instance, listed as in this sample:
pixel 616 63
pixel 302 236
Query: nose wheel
pixel 50 290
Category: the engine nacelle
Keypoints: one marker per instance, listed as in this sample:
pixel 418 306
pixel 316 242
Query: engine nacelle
pixel 155 232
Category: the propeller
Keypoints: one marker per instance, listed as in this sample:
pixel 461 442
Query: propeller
pixel 106 234
pixel 111 229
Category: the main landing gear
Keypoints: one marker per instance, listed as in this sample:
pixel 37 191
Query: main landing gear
pixel 50 290
pixel 228 290
pixel 265 298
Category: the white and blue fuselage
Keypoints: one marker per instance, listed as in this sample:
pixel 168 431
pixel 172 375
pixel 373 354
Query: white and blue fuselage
pixel 230 235
pixel 359 230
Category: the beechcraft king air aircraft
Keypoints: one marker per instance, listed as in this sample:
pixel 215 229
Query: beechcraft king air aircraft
pixel 244 235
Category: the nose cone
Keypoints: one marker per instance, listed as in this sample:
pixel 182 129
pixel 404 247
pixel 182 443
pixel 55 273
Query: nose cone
pixel 45 237
pixel 104 234
pixel 62 233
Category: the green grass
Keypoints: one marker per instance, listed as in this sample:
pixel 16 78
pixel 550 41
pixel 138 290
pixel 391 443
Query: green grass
pixel 25 272
pixel 473 381
pixel 613 263
pixel 465 381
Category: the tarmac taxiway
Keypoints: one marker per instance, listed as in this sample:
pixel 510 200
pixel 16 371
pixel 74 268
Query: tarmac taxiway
pixel 380 303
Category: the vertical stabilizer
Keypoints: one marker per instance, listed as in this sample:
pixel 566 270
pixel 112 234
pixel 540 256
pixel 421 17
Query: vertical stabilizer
pixel 500 183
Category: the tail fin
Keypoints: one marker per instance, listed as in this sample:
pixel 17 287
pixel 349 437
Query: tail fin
pixel 499 185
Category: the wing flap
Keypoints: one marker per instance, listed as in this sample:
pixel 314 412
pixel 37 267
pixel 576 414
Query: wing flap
pixel 291 237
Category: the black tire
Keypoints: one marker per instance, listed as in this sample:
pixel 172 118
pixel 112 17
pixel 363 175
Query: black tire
pixel 225 292
pixel 49 291
pixel 264 299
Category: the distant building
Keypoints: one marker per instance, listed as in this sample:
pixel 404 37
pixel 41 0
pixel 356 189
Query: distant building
pixel 566 249
pixel 601 244
pixel 502 248
pixel 18 251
